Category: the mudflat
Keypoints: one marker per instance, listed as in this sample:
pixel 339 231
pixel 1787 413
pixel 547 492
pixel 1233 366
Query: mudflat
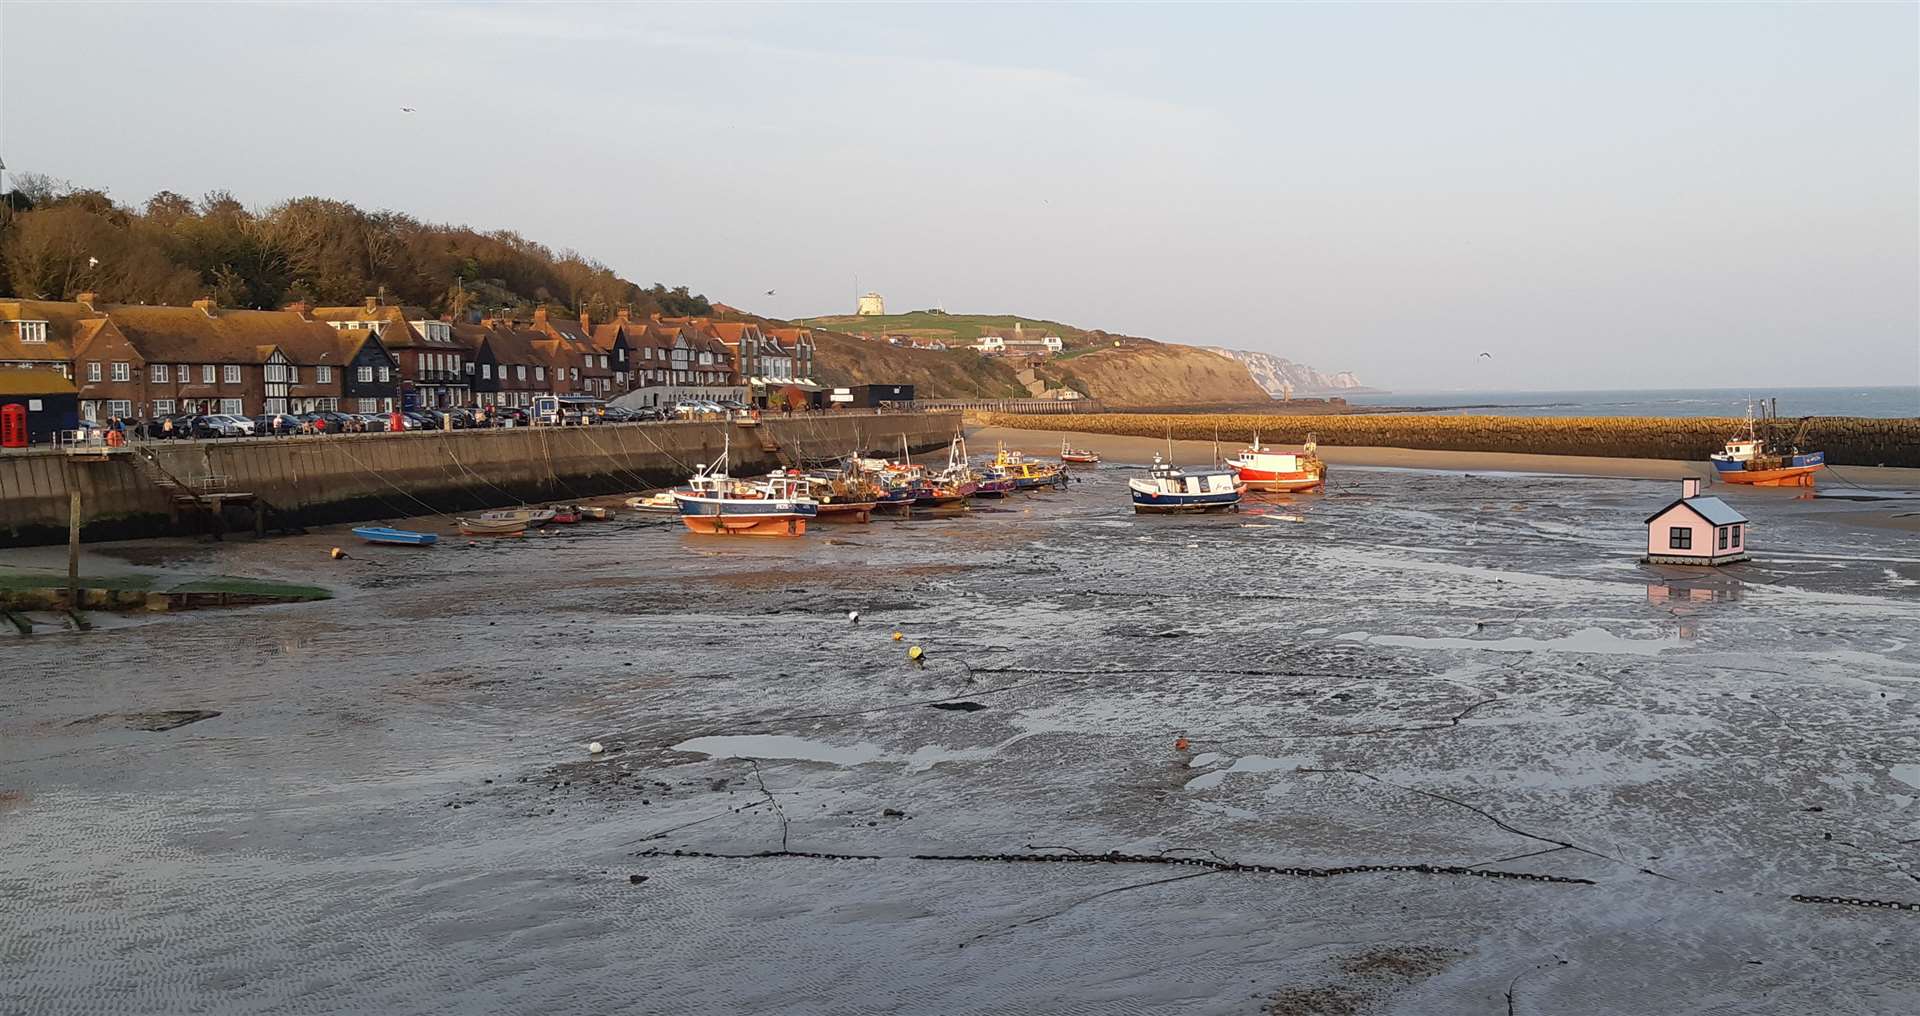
pixel 1440 744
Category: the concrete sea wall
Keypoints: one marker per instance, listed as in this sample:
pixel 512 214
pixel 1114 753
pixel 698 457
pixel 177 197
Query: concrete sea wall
pixel 315 480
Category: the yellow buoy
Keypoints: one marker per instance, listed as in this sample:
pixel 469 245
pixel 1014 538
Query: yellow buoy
pixel 916 653
pixel 897 636
pixel 336 553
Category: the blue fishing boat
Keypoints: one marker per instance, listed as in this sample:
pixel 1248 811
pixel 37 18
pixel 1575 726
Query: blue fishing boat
pixel 401 537
pixel 1168 488
pixel 714 503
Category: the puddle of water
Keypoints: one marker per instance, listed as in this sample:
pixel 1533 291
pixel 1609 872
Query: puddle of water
pixel 1908 774
pixel 1203 760
pixel 781 746
pixel 1585 640
pixel 1244 764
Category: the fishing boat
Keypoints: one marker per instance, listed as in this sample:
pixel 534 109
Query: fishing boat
pixel 492 527
pixel 524 516
pixel 951 486
pixel 398 537
pixel 1028 474
pixel 1068 453
pixel 990 482
pixel 1265 469
pixel 660 503
pixel 843 495
pixel 566 516
pixel 1168 488
pixel 1748 460
pixel 714 503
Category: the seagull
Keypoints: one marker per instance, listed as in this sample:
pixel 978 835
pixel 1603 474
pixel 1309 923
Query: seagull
pixel 93 262
pixel 769 292
pixel 1487 356
pixel 406 109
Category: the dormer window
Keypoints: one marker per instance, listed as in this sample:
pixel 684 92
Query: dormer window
pixel 32 331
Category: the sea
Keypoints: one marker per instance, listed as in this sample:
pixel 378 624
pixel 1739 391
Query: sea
pixel 1893 401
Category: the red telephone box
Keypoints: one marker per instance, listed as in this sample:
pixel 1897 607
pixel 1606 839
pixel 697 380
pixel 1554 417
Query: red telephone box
pixel 13 425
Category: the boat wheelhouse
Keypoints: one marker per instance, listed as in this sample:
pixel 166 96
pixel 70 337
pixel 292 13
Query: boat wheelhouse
pixel 716 504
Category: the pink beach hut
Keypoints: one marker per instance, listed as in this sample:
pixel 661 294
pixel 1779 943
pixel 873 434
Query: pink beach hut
pixel 1696 530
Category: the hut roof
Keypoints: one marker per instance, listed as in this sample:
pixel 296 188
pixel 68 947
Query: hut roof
pixel 1712 509
pixel 34 382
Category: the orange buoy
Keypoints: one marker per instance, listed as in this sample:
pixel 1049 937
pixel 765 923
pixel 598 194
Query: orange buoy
pixel 336 553
pixel 1181 744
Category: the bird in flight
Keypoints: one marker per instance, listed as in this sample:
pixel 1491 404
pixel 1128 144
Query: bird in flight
pixel 769 292
pixel 406 109
pixel 1486 356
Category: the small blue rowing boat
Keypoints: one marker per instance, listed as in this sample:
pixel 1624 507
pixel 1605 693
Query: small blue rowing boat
pixel 403 537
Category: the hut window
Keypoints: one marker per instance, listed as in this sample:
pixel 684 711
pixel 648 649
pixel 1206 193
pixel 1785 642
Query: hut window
pixel 1679 538
pixel 1723 537
pixel 1736 535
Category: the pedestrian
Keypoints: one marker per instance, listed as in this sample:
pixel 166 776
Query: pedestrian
pixel 277 425
pixel 166 427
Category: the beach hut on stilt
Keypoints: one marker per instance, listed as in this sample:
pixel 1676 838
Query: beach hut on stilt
pixel 1696 530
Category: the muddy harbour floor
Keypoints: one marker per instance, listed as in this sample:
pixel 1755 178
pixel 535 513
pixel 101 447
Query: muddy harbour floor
pixel 395 809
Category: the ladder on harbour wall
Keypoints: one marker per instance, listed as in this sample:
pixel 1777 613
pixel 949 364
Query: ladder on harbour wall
pixel 772 447
pixel 205 497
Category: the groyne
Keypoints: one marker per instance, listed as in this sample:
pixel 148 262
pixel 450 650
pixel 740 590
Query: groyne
pixel 165 486
pixel 1847 440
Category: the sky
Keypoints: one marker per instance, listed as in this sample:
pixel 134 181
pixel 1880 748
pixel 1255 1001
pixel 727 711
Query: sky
pixel 1618 195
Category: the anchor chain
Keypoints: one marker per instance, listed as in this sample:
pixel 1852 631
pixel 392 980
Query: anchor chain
pixel 1854 901
pixel 1116 857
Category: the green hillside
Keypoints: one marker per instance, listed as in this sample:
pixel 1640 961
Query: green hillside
pixel 951 328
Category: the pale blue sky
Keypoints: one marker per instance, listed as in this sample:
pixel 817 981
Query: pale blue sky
pixel 1620 195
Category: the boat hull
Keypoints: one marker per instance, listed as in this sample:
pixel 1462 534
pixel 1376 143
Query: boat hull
pixel 1270 482
pixel 395 537
pixel 492 527
pixel 1170 504
pixel 715 516
pixel 1081 459
pixel 995 488
pixel 845 511
pixel 1787 476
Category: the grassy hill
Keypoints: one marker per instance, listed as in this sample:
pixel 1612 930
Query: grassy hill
pixel 951 328
pixel 1121 370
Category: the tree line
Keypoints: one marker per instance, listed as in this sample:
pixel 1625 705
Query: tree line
pixel 58 241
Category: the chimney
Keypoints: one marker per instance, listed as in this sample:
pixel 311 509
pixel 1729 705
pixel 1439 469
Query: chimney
pixel 373 303
pixel 88 299
pixel 624 316
pixel 1690 487
pixel 207 305
pixel 586 321
pixel 540 315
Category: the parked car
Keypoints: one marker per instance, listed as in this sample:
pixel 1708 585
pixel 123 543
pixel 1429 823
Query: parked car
pixel 327 422
pixel 648 413
pixel 230 425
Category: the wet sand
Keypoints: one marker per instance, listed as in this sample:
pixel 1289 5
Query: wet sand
pixel 395 810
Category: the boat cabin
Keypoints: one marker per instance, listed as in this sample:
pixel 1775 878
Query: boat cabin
pixel 1696 530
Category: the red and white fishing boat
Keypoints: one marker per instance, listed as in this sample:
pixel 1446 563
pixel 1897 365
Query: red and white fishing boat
pixel 1068 453
pixel 1273 471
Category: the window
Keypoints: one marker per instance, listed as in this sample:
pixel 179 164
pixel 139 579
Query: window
pixel 230 373
pixel 1679 538
pixel 93 372
pixel 384 375
pixel 158 372
pixel 32 331
pixel 231 407
pixel 123 372
pixel 184 373
pixel 119 407
pixel 329 405
pixel 1736 536
pixel 293 375
pixel 90 410
pixel 208 375
pixel 486 372
pixel 323 375
pixel 65 371
pixel 589 361
pixel 364 374
pixel 369 405
pixel 1723 537
pixel 620 355
pixel 603 361
pixel 163 407
pixel 520 371
pixel 539 373
pixel 576 373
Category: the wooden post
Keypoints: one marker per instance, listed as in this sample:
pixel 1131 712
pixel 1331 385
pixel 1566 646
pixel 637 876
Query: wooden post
pixel 73 543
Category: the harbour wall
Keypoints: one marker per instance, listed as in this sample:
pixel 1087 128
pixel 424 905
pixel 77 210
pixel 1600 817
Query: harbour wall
pixel 350 478
pixel 1847 440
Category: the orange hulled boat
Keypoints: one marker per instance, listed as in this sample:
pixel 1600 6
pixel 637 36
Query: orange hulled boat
pixel 1266 469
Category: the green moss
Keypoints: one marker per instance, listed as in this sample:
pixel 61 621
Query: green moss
pixel 252 587
pixel 16 579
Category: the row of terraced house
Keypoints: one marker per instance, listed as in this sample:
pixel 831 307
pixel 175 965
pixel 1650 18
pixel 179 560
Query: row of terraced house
pixel 146 361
